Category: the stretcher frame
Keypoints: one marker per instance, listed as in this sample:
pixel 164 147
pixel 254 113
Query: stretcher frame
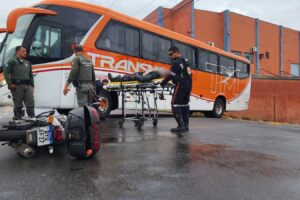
pixel 141 93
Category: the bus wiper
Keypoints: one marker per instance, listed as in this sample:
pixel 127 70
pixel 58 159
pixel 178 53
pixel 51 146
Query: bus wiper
pixel 3 47
pixel 3 42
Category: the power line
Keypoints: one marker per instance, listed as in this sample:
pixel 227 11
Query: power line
pixel 148 5
pixel 143 8
pixel 179 9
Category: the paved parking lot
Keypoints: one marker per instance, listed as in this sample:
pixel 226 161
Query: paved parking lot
pixel 218 159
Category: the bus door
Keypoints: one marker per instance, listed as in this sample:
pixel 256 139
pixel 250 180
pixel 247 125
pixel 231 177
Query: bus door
pixel 44 43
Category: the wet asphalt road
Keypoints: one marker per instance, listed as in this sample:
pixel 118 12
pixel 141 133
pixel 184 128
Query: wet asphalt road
pixel 218 159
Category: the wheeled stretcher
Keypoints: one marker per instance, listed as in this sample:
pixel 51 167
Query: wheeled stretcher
pixel 144 96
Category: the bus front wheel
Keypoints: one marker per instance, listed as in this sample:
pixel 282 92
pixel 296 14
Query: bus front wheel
pixel 218 110
pixel 105 104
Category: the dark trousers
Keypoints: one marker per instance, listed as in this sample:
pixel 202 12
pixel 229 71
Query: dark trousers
pixel 180 102
pixel 23 93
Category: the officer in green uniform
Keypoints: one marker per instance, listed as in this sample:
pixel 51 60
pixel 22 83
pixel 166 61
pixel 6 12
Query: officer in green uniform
pixel 82 76
pixel 19 79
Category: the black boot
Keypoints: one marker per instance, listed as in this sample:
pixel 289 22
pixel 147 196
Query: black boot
pixel 17 113
pixel 178 116
pixel 30 112
pixel 185 116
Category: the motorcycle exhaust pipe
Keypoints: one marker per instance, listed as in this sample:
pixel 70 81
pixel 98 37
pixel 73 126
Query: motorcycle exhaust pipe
pixel 25 150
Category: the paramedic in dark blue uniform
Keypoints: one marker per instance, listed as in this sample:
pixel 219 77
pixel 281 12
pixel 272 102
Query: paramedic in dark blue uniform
pixel 181 76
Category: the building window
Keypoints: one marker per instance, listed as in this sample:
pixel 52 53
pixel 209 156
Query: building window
pixel 238 53
pixel 249 56
pixel 295 69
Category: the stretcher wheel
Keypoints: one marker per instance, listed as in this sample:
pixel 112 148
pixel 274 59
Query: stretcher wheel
pixel 121 123
pixel 155 122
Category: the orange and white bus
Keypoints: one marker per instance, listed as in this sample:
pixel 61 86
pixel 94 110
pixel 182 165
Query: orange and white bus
pixel 117 44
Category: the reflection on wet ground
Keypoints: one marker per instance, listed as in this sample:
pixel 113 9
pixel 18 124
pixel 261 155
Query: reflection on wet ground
pixel 217 159
pixel 221 155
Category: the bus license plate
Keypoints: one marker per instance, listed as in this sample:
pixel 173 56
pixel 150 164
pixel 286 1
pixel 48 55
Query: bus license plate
pixel 44 136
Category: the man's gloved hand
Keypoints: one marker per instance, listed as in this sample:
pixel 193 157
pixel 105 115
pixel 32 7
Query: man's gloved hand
pixel 12 86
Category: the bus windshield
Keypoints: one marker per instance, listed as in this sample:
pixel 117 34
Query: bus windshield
pixel 15 38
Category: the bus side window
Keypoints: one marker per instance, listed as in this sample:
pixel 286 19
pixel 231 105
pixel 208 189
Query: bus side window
pixel 132 42
pixel 164 45
pixel 187 52
pixel 212 64
pixel 47 42
pixel 150 46
pixel 242 70
pixel 112 38
pixel 203 58
pixel 226 66
pixel 208 61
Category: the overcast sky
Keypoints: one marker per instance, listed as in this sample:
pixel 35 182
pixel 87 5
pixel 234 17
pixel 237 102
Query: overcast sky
pixel 286 13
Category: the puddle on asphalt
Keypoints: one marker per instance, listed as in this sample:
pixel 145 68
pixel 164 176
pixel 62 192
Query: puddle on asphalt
pixel 245 162
pixel 125 139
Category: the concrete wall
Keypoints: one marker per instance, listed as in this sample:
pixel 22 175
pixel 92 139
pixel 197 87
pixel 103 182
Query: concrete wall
pixel 273 100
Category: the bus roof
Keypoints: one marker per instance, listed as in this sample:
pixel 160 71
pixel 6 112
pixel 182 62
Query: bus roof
pixel 141 24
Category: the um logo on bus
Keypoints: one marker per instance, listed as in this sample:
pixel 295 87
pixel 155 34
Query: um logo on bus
pixel 226 82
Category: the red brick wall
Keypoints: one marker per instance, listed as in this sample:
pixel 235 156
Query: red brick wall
pixel 152 17
pixel 273 100
pixel 290 49
pixel 243 35
pixel 181 14
pixel 269 42
pixel 209 27
pixel 168 19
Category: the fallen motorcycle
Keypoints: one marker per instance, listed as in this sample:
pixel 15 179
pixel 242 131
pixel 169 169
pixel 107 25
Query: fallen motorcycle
pixel 78 131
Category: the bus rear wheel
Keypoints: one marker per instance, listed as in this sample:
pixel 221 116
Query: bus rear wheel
pixel 218 110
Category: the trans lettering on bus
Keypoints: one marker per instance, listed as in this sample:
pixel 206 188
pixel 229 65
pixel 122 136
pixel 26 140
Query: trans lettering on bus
pixel 126 65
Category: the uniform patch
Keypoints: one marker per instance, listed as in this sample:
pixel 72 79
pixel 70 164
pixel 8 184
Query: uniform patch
pixel 6 65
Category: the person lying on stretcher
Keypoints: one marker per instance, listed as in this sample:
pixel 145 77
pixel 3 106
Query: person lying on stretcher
pixel 140 76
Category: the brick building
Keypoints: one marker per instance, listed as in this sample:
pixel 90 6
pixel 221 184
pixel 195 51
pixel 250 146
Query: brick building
pixel 273 50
